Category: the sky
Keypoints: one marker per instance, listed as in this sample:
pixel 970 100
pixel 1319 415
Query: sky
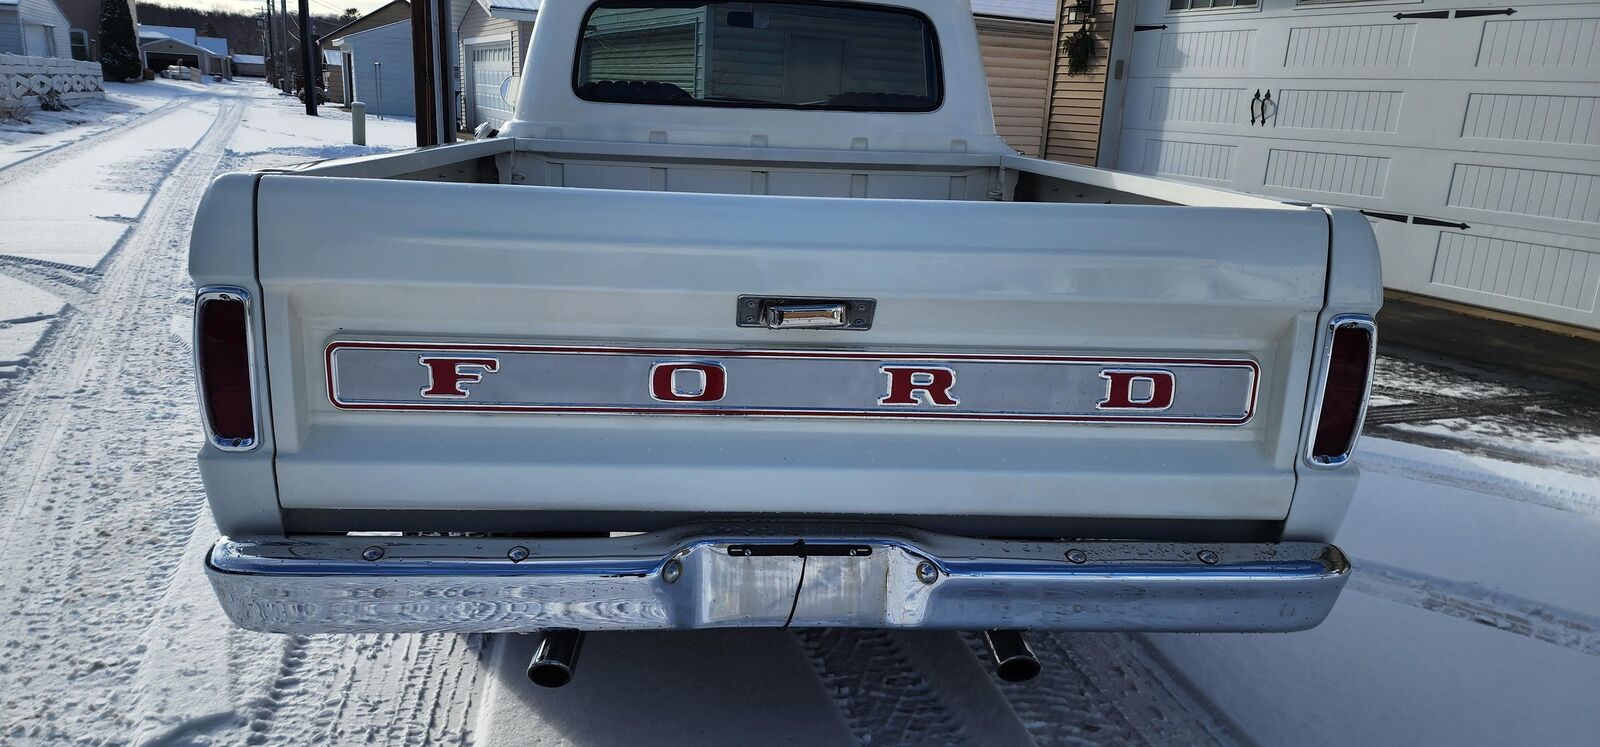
pixel 247 6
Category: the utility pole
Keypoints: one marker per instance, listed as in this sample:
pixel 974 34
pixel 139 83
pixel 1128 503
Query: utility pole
pixel 308 58
pixel 430 63
pixel 283 49
pixel 271 34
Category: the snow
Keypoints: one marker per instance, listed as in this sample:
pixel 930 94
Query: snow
pixel 41 131
pixel 1473 616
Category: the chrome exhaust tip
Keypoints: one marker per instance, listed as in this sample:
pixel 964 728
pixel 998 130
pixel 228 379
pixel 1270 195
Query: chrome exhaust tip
pixel 1013 658
pixel 555 659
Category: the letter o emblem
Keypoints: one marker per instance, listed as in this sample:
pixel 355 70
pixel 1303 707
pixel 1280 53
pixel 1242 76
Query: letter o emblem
pixel 688 381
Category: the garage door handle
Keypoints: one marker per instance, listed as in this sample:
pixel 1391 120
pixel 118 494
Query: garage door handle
pixel 1266 101
pixel 1254 102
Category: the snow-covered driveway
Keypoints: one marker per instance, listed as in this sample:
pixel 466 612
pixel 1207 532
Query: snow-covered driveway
pixel 1475 617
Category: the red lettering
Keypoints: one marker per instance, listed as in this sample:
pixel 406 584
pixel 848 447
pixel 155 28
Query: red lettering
pixel 1120 389
pixel 688 382
pixel 919 385
pixel 447 375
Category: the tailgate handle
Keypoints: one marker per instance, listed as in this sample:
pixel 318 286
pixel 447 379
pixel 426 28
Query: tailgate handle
pixel 805 313
pixel 806 316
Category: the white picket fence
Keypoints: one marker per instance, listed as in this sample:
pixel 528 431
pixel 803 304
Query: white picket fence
pixel 25 79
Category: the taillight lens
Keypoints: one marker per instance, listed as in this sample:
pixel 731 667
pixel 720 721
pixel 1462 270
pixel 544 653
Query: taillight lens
pixel 222 357
pixel 1346 381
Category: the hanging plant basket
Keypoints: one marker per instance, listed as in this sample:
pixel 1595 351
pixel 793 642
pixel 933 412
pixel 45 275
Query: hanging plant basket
pixel 1079 51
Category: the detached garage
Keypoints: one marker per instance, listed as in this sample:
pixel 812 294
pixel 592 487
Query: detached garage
pixel 380 69
pixel 1468 134
pixel 494 39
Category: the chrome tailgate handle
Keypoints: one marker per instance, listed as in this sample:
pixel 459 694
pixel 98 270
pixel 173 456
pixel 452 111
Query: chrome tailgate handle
pixel 805 313
pixel 806 316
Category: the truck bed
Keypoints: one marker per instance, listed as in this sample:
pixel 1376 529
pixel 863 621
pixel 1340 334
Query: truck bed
pixel 663 167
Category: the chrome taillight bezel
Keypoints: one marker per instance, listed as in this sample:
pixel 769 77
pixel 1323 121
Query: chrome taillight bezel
pixel 1324 364
pixel 204 295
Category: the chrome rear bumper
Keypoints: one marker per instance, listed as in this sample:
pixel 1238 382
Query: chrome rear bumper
pixel 713 577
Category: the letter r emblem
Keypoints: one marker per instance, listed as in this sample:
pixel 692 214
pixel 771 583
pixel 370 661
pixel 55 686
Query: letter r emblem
pixel 910 386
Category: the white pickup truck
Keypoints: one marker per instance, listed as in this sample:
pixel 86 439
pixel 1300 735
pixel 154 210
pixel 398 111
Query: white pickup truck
pixel 748 318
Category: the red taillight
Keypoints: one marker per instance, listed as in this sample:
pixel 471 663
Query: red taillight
pixel 1346 381
pixel 222 355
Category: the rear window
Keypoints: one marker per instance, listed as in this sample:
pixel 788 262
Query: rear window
pixel 798 55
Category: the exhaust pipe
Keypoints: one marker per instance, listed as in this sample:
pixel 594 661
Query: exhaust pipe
pixel 1013 659
pixel 555 659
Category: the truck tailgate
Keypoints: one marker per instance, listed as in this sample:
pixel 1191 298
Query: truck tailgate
pixel 584 292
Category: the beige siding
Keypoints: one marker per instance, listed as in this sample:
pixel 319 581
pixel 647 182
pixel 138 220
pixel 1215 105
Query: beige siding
pixel 1073 131
pixel 1016 57
pixel 333 80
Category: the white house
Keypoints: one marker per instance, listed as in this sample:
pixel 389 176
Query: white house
pixel 35 28
pixel 380 68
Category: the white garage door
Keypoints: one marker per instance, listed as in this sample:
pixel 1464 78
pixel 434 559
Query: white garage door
pixel 1469 134
pixel 489 67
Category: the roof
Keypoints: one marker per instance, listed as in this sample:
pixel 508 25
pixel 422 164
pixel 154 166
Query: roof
pixel 218 47
pixel 8 2
pixel 250 59
pixel 329 37
pixel 184 35
pixel 347 37
pixel 516 10
pixel 1027 10
pixel 195 49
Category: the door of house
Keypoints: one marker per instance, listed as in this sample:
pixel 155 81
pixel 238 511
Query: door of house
pixel 1470 135
pixel 488 68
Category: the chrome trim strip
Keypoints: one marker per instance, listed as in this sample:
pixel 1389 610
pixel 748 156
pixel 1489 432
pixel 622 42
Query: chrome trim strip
pixel 710 355
pixel 227 293
pixel 1324 362
pixel 890 577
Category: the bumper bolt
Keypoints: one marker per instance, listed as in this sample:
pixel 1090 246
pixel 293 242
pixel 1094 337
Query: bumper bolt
pixel 518 554
pixel 372 553
pixel 1077 556
pixel 927 573
pixel 1209 557
pixel 672 571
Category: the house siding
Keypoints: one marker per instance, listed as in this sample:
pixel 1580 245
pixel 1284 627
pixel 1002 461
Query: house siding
pixel 390 45
pixel 1075 104
pixel 1016 59
pixel 478 24
pixel 45 12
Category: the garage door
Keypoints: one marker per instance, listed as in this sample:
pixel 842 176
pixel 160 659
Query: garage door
pixel 1470 135
pixel 490 68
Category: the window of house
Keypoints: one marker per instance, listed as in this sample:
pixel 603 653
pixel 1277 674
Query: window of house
pixel 80 44
pixel 1209 4
pixel 761 54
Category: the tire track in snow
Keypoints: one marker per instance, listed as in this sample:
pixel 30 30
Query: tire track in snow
pixel 96 508
pixel 882 697
pixel 1105 689
pixel 44 159
pixel 1479 604
pixel 70 283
